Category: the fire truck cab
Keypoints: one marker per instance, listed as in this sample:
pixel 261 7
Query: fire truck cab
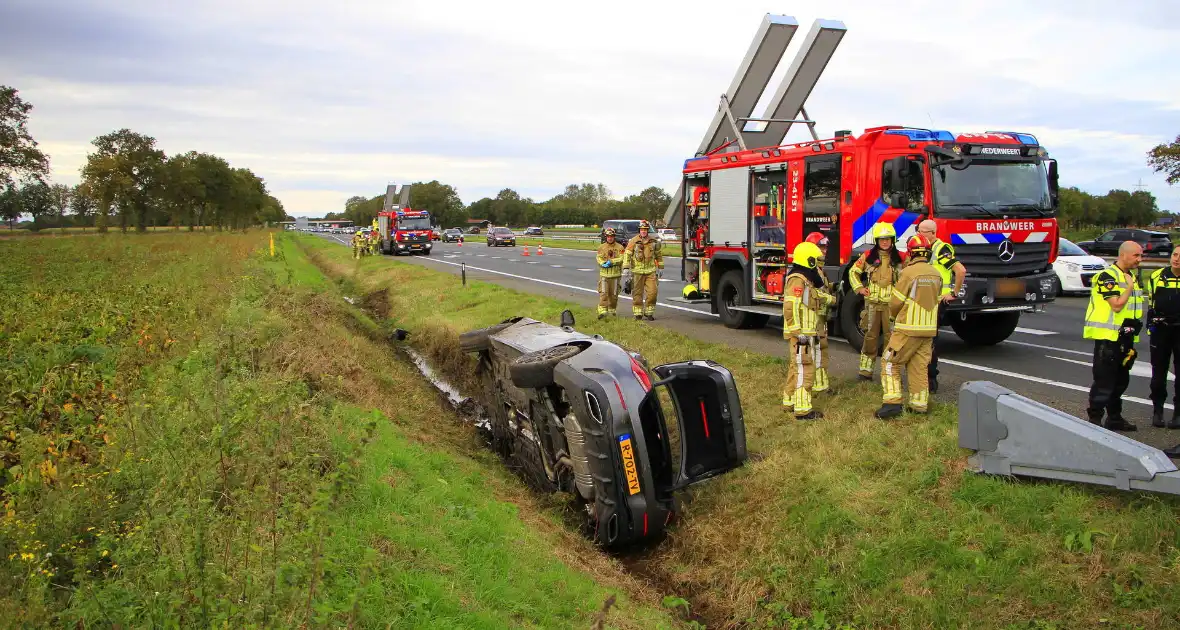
pixel 993 196
pixel 404 231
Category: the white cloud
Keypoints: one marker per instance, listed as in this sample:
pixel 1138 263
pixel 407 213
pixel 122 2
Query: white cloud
pixel 329 100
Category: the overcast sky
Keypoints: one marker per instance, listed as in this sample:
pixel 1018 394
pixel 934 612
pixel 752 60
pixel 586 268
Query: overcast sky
pixel 326 100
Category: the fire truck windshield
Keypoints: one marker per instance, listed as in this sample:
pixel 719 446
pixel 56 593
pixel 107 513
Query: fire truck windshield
pixel 992 188
pixel 413 223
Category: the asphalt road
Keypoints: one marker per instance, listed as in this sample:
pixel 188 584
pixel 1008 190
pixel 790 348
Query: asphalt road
pixel 1046 359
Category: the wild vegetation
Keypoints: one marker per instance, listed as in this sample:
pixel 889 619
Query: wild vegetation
pixel 850 521
pixel 195 434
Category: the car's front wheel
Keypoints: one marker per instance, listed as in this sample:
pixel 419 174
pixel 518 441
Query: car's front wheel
pixel 533 370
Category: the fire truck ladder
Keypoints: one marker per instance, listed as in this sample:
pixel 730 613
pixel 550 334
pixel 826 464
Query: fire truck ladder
pixel 753 74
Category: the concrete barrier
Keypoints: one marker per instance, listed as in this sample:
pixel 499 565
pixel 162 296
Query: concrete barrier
pixel 1014 435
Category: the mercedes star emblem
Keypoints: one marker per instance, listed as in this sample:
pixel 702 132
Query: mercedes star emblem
pixel 1006 251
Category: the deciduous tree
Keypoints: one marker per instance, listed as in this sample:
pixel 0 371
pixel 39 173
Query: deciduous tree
pixel 20 159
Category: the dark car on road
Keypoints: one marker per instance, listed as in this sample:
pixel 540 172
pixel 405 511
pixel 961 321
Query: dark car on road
pixel 452 235
pixel 625 229
pixel 576 413
pixel 498 236
pixel 534 231
pixel 1153 243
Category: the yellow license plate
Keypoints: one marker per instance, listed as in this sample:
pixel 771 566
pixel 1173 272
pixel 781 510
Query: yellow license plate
pixel 632 473
pixel 1009 288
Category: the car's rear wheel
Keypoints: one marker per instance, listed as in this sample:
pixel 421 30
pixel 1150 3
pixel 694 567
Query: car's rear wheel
pixel 535 369
pixel 480 340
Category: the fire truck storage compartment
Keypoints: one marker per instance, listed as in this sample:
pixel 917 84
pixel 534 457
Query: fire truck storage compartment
pixel 769 211
pixel 729 198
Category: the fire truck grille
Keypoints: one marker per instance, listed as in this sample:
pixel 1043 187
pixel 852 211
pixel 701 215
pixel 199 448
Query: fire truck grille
pixel 984 259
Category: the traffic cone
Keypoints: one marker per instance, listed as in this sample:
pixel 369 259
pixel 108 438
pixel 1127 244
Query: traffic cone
pixel 540 252
pixel 526 251
pixel 460 242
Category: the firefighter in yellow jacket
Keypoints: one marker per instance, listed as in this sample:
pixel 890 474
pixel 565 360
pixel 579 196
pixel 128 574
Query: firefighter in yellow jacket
pixel 880 267
pixel 822 383
pixel 803 300
pixel 374 242
pixel 914 306
pixel 646 262
pixel 610 269
pixel 358 244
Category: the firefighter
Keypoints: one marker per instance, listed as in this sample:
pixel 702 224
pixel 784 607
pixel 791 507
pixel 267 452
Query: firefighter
pixel 821 363
pixel 943 258
pixel 358 244
pixel 914 307
pixel 880 267
pixel 1163 323
pixel 610 263
pixel 802 303
pixel 374 242
pixel 1113 321
pixel 645 259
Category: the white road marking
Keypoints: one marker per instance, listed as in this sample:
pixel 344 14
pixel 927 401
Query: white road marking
pixel 1037 345
pixel 1140 368
pixel 1034 331
pixel 570 286
pixel 585 270
pixel 556 266
pixel 1036 379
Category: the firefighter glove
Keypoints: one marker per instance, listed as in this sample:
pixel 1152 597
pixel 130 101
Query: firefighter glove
pixel 606 265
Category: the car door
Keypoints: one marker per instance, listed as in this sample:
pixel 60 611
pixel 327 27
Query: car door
pixel 709 415
pixel 1108 243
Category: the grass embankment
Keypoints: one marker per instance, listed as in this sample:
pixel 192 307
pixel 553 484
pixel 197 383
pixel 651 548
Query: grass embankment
pixel 849 519
pixel 194 435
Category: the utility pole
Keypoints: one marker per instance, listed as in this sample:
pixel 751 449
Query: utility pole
pixel 1140 186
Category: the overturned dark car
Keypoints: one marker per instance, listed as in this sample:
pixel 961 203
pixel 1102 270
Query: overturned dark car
pixel 579 414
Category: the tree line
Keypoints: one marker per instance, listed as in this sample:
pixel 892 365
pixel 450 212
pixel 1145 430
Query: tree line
pixel 1117 208
pixel 126 181
pixel 578 204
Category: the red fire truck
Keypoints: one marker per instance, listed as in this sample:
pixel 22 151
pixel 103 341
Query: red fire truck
pixel 993 195
pixel 404 231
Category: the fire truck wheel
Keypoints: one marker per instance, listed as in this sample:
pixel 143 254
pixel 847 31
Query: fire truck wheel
pixel 730 292
pixel 985 329
pixel 850 309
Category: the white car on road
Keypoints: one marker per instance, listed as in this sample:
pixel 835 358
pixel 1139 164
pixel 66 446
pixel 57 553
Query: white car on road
pixel 1075 268
pixel 668 235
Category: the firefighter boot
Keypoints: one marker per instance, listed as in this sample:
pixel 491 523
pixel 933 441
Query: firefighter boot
pixel 811 415
pixel 1157 417
pixel 889 410
pixel 1174 423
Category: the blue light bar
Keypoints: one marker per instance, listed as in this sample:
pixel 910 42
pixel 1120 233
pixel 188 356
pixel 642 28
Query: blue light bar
pixel 694 159
pixel 1022 138
pixel 926 135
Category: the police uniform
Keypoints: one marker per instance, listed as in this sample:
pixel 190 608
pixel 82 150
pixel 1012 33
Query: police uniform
pixel 1114 336
pixel 803 300
pixel 610 269
pixel 942 258
pixel 1163 322
pixel 880 276
pixel 914 306
pixel 643 256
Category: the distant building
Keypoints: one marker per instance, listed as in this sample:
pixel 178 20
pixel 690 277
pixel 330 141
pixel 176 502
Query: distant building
pixel 1165 221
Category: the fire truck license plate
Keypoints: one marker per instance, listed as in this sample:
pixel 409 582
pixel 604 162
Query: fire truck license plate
pixel 629 464
pixel 1010 288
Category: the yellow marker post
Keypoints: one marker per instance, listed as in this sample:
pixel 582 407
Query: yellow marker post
pixel 272 244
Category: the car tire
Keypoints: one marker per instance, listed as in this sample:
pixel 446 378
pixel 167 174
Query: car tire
pixel 534 370
pixel 985 329
pixel 731 288
pixel 479 340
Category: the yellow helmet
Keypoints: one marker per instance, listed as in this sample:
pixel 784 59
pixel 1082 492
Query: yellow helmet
pixel 807 255
pixel 690 292
pixel 644 225
pixel 884 230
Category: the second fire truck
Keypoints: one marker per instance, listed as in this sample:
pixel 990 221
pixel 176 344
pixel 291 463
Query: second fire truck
pixel 993 196
pixel 404 231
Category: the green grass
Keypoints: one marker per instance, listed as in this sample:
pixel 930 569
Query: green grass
pixel 196 434
pixel 848 520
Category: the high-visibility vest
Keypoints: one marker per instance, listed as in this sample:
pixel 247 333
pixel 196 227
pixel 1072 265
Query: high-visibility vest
pixel 1101 320
pixel 942 256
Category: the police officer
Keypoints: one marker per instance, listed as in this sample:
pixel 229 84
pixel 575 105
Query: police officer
pixel 914 306
pixel 802 302
pixel 1113 320
pixel 880 267
pixel 1163 321
pixel 943 259
pixel 822 384
pixel 610 268
pixel 643 256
